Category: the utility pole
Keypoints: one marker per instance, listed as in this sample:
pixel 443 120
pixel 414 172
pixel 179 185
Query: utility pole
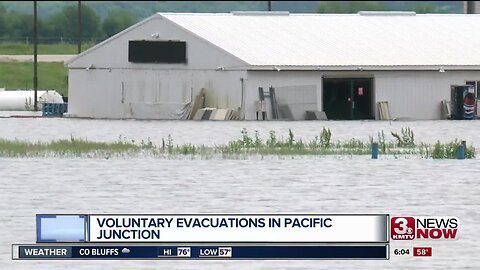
pixel 79 26
pixel 35 79
pixel 269 5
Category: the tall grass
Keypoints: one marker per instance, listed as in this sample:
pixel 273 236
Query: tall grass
pixel 449 150
pixel 72 147
pixel 245 145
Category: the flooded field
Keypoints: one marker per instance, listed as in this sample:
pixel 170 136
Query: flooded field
pixel 345 184
pixel 210 132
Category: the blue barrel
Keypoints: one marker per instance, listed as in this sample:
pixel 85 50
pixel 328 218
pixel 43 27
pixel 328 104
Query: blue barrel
pixel 374 150
pixel 460 152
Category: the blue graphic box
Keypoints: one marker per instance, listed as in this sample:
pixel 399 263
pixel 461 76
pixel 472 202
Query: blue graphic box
pixel 61 228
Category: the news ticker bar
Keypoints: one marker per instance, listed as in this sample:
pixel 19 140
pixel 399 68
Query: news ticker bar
pixel 200 252
pixel 213 228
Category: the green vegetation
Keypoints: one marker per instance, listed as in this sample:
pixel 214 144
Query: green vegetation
pixel 27 49
pixel 19 75
pixel 406 139
pixel 349 6
pixel 72 147
pixel 118 20
pixel 449 150
pixel 356 6
pixel 244 146
pixel 61 26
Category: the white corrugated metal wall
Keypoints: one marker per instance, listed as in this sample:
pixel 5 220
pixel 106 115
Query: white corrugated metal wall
pixel 113 53
pixel 418 94
pixel 149 94
pixel 410 94
pixel 266 79
pixel 103 84
pixel 294 101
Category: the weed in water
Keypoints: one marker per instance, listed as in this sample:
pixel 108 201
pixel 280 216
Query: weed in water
pixel 406 139
pixel 325 137
pixel 272 140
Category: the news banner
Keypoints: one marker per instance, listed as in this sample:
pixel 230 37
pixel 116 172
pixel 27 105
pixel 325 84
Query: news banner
pixel 233 237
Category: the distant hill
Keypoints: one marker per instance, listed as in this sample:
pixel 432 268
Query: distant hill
pixel 145 9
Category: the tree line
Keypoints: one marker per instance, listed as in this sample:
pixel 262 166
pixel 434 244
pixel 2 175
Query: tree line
pixel 356 6
pixel 62 26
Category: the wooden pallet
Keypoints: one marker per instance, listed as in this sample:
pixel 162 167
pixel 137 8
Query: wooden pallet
pixel 197 104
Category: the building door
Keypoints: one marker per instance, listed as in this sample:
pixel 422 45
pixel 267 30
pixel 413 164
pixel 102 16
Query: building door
pixel 348 98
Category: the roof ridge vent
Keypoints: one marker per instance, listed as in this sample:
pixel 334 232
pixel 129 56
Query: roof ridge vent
pixel 260 13
pixel 387 13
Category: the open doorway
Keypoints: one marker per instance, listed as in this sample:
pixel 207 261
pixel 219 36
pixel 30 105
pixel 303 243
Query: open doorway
pixel 348 98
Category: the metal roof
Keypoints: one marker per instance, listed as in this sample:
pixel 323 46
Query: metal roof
pixel 336 41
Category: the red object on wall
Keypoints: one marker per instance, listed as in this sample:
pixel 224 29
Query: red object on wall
pixel 360 91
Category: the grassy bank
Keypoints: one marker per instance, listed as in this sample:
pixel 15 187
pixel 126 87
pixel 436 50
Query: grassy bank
pixel 19 75
pixel 22 48
pixel 247 145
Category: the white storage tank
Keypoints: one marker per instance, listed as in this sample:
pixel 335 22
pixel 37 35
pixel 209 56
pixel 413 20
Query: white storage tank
pixel 21 100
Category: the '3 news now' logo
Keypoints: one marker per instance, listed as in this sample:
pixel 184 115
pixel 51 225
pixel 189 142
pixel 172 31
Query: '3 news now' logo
pixel 402 228
pixel 436 228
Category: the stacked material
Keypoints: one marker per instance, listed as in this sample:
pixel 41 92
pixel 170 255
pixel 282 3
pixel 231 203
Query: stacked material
pixel 383 110
pixel 198 103
pixel 198 112
pixel 54 109
pixel 446 110
pixel 216 114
